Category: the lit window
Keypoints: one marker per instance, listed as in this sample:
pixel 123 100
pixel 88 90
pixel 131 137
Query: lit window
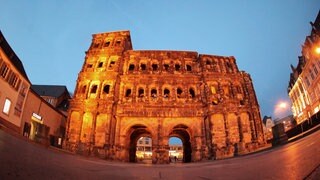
pixel 6 107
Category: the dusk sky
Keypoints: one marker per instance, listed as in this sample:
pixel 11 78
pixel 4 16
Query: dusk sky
pixel 265 37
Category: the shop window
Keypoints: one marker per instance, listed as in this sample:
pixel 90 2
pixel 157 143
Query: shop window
pixel 100 64
pixel 154 67
pixel 154 93
pixel 188 67
pixel 94 89
pixel 106 89
pixel 177 67
pixel 179 92
pixel 166 67
pixel 141 92
pixel 166 93
pixel 131 67
pixel 128 93
pixel 192 93
pixel 143 67
pixel 6 107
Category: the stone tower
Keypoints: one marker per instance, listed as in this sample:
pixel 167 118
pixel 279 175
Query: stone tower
pixel 123 94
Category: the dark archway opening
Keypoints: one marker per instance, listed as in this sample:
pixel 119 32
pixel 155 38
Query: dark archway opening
pixel 181 132
pixel 137 132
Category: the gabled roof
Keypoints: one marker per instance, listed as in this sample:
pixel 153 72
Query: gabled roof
pixel 50 90
pixel 12 56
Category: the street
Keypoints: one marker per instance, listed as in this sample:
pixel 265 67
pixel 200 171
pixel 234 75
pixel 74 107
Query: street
pixel 20 159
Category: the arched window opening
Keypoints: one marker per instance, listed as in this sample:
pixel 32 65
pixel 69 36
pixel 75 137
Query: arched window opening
pixel 179 92
pixel 141 92
pixel 107 44
pixel 166 67
pixel 94 89
pixel 208 62
pixel 84 88
pixel 131 67
pixel 154 67
pixel 188 67
pixel 143 67
pixel 154 93
pixel 106 89
pixel 166 93
pixel 112 63
pixel 100 64
pixel 229 67
pixel 177 67
pixel 192 93
pixel 128 93
pixel 118 42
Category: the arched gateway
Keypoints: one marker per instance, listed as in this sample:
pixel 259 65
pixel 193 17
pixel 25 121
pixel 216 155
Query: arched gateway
pixel 122 95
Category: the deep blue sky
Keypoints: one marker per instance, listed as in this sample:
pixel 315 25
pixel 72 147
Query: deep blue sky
pixel 50 37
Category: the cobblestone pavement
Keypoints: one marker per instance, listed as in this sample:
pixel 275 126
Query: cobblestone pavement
pixel 21 159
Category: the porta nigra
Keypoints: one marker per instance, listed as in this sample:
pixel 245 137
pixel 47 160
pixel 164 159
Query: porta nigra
pixel 124 94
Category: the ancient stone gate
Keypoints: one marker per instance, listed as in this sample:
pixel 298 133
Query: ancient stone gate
pixel 124 94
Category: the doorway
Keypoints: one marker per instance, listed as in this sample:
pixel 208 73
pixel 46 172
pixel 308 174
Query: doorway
pixel 181 132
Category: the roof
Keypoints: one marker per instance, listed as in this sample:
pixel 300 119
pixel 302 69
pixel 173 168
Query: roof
pixel 50 90
pixel 12 56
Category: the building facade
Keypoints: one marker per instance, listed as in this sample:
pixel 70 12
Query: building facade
pixel 304 84
pixel 24 111
pixel 14 86
pixel 45 117
pixel 123 94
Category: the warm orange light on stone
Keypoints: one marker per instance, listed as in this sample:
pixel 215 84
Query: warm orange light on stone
pixel 123 95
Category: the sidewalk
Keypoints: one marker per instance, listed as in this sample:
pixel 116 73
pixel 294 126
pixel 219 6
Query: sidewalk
pixel 304 134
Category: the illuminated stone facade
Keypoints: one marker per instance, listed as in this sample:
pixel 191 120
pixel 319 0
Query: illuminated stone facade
pixel 304 84
pixel 123 94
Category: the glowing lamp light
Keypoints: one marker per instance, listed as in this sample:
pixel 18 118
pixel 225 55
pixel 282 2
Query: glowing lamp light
pixel 283 105
pixel 317 50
